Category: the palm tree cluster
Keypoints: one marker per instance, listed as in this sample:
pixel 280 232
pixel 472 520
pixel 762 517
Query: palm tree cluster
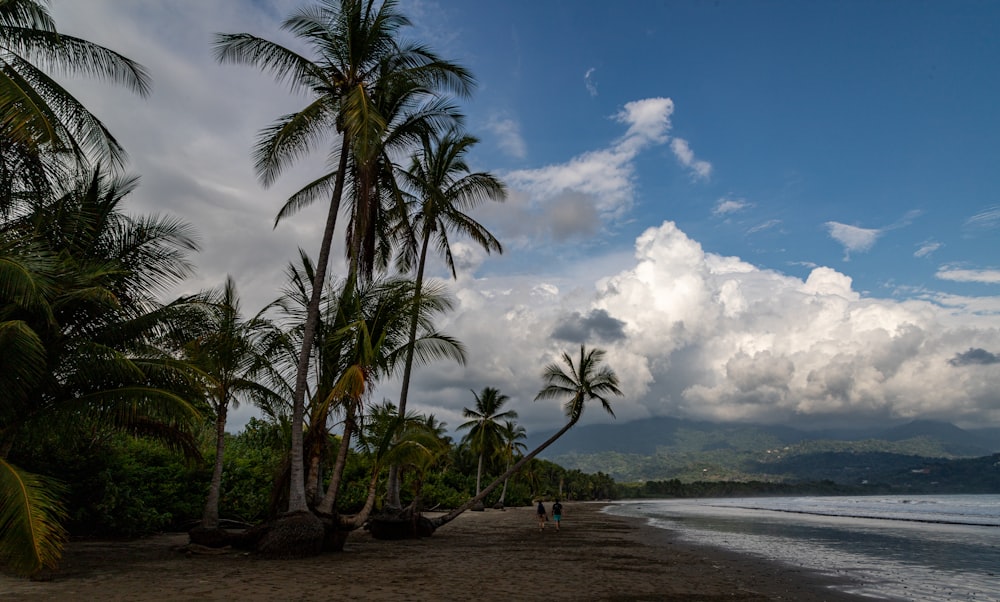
pixel 88 345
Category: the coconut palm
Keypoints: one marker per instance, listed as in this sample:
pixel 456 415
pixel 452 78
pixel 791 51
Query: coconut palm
pixel 442 189
pixel 584 381
pixel 80 323
pixel 486 434
pixel 39 119
pixel 358 55
pixel 231 358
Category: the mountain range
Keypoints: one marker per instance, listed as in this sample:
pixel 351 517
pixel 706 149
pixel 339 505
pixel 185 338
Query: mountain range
pixel 671 448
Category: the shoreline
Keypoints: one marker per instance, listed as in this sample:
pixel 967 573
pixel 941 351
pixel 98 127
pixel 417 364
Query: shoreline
pixel 491 555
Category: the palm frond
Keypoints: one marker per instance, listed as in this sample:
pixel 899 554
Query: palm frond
pixel 31 534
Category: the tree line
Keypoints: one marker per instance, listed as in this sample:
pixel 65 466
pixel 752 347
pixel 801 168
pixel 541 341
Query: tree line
pixel 95 361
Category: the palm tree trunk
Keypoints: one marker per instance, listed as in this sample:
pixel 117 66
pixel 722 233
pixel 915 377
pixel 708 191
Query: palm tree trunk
pixel 297 487
pixel 393 485
pixel 330 499
pixel 210 516
pixel 447 518
pixel 503 492
pixel 479 473
pixel 317 444
pixel 357 520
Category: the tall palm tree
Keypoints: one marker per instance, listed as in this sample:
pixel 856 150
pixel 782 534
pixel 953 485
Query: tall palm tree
pixel 80 325
pixel 231 358
pixel 442 189
pixel 581 382
pixel 39 118
pixel 486 433
pixel 359 54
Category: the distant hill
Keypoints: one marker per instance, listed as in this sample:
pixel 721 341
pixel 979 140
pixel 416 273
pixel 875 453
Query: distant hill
pixel 672 448
pixel 956 441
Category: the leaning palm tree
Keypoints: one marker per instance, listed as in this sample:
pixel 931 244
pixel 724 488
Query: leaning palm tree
pixel 442 190
pixel 581 382
pixel 80 326
pixel 358 55
pixel 486 426
pixel 40 121
pixel 231 358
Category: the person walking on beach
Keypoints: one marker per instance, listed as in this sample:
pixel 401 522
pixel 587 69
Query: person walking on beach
pixel 557 513
pixel 542 515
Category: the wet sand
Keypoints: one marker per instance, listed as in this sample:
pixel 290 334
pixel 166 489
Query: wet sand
pixel 486 556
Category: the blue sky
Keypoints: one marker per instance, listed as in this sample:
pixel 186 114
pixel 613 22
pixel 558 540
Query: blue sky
pixel 764 211
pixel 875 116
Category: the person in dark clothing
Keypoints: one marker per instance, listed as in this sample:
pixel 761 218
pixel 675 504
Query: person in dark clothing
pixel 542 515
pixel 557 513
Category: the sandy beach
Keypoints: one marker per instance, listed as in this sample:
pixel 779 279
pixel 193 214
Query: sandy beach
pixel 491 555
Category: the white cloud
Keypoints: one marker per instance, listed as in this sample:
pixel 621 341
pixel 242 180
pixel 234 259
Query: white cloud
pixel 725 206
pixel 509 139
pixel 926 249
pixel 771 223
pixel 588 81
pixel 987 219
pixel 648 122
pixel 604 176
pixel 682 150
pixel 960 275
pixel 853 238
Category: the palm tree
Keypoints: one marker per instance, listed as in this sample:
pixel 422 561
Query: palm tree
pixel 584 381
pixel 230 357
pixel 39 118
pixel 513 436
pixel 442 189
pixel 486 434
pixel 80 324
pixel 359 55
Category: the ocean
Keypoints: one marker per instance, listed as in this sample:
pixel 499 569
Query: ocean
pixel 917 547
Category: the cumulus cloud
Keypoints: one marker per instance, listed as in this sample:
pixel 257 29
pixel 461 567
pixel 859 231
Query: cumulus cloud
pixel 853 238
pixel 705 336
pixel 682 150
pixel 960 275
pixel 508 134
pixel 588 81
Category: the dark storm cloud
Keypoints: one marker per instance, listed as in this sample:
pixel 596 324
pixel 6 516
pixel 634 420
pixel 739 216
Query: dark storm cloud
pixel 974 357
pixel 598 324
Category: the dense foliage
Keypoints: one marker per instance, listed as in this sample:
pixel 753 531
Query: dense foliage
pixel 120 486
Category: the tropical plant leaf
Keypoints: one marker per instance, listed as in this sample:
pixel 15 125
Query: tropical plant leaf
pixel 31 536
